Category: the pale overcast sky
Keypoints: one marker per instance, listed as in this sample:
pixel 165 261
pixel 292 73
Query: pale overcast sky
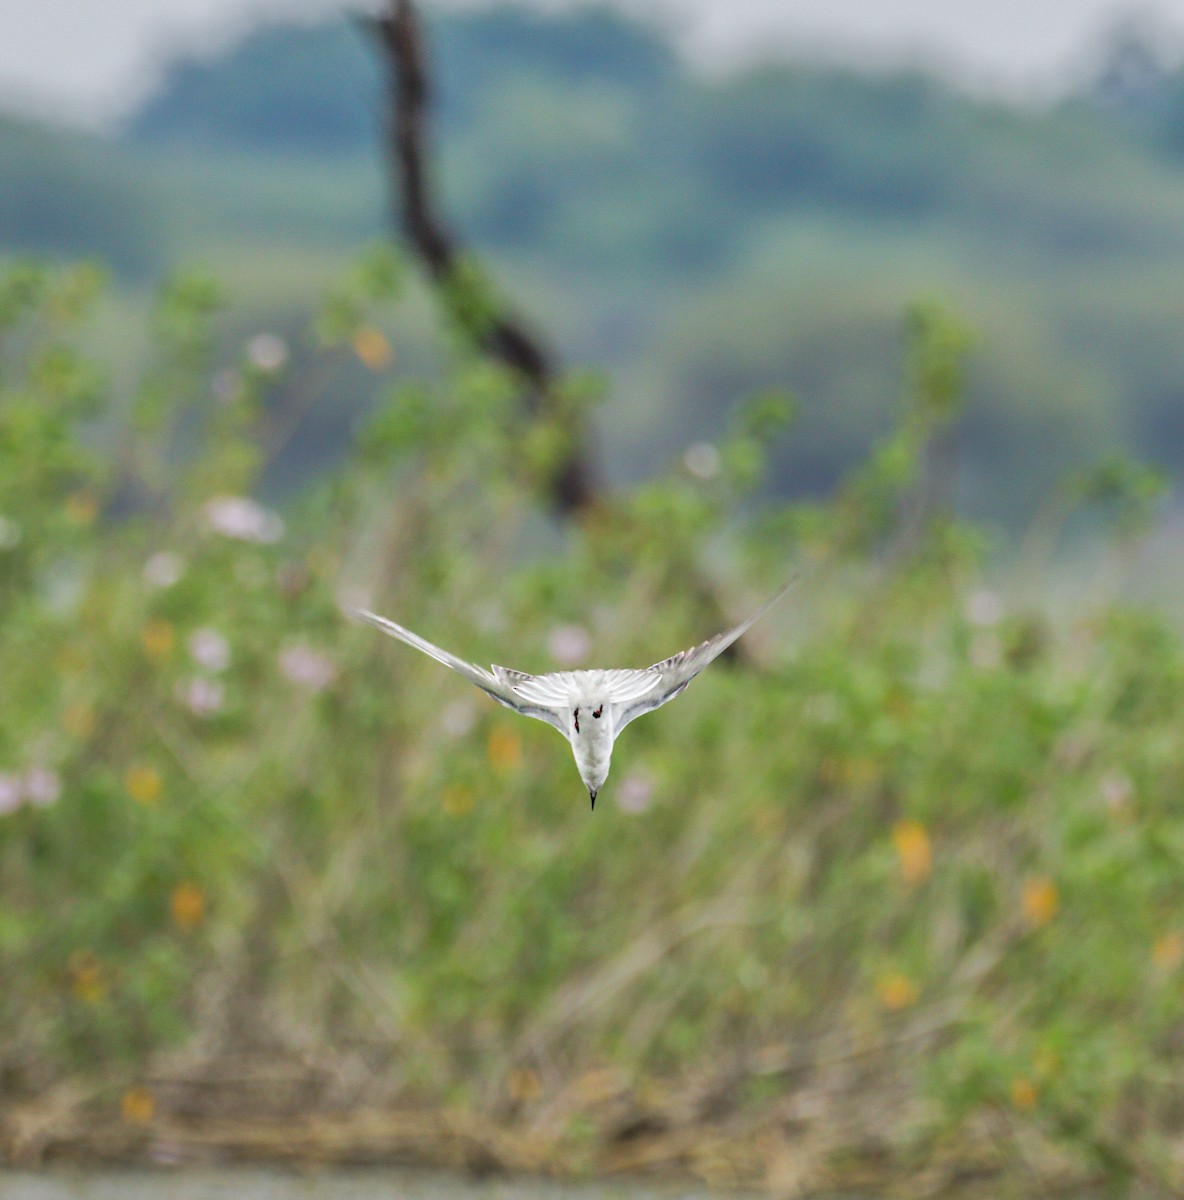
pixel 90 59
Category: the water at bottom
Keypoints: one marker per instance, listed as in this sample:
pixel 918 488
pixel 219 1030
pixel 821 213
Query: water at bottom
pixel 259 1184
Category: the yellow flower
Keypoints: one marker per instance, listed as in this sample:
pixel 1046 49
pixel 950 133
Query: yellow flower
pixel 896 991
pixel 457 801
pixel 1046 1063
pixel 158 638
pixel 143 784
pixel 371 346
pixel 87 978
pixel 913 849
pixel 1040 901
pixel 1168 951
pixel 188 906
pixel 138 1106
pixel 504 749
pixel 1023 1093
pixel 524 1084
pixel 82 508
pixel 78 720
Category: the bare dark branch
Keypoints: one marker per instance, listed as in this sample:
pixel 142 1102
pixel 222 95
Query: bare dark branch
pixel 572 486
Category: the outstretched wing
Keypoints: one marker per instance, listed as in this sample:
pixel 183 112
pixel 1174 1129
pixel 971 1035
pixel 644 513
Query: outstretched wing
pixel 671 675
pixel 496 684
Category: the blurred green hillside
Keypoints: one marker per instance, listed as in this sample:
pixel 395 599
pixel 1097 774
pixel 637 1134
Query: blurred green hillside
pixel 698 239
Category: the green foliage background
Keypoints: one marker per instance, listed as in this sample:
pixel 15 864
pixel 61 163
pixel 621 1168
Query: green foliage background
pixel 901 887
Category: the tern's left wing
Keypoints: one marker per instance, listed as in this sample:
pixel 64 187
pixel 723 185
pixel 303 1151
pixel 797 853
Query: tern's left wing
pixel 496 684
pixel 670 676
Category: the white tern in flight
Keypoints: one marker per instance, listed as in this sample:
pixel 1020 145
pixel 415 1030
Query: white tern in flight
pixel 588 707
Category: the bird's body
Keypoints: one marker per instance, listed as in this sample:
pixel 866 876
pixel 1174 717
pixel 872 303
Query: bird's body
pixel 590 708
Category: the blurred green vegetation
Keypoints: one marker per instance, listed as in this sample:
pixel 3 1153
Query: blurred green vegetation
pixel 697 237
pixel 900 892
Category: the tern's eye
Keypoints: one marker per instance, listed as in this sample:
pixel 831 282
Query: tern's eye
pixel 597 711
pixel 576 716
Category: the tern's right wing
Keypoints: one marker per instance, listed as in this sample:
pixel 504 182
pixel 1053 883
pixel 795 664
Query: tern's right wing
pixel 672 675
pixel 498 688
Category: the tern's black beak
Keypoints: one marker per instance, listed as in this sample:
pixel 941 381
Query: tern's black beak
pixel 593 795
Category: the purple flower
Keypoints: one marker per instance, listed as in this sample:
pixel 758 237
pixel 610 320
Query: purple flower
pixel 306 667
pixel 569 644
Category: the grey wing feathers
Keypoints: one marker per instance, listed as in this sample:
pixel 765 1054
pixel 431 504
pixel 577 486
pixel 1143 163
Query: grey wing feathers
pixel 674 673
pixel 496 683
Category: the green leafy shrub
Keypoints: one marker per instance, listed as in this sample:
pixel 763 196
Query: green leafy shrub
pixel 908 870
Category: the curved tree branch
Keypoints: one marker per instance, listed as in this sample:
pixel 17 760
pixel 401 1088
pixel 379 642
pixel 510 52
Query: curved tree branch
pixel 573 486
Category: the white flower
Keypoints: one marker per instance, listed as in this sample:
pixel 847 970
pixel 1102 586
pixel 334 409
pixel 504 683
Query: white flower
pixel 984 609
pixel 569 644
pixel 702 461
pixel 240 517
pixel 201 696
pixel 10 533
pixel 306 667
pixel 42 786
pixel 163 569
pixel 636 792
pixel 11 794
pixel 209 649
pixel 267 351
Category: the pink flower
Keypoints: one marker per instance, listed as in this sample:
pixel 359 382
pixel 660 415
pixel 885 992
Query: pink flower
pixel 201 696
pixel 636 792
pixel 306 667
pixel 42 786
pixel 240 517
pixel 209 649
pixel 569 644
pixel 11 794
